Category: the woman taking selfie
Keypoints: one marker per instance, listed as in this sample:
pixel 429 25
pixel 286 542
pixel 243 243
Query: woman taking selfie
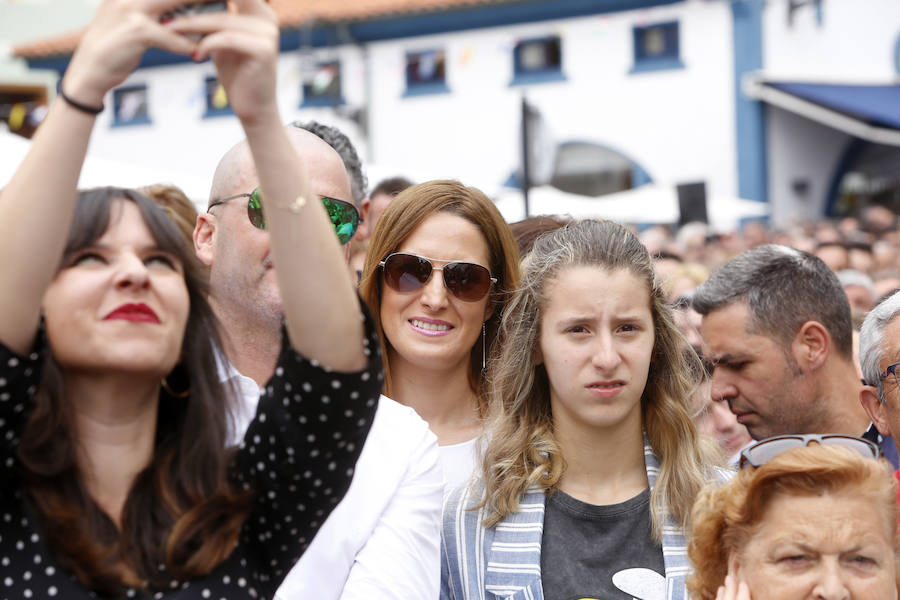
pixel 441 264
pixel 115 478
pixel 592 462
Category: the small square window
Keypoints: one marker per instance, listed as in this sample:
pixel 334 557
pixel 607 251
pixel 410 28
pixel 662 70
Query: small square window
pixel 657 47
pixel 538 60
pixel 323 88
pixel 426 72
pixel 130 105
pixel 216 99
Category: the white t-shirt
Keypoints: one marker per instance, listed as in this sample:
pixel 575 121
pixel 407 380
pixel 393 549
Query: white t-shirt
pixel 459 462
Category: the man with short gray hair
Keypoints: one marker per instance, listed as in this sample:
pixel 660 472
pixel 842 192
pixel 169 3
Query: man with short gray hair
pixel 776 325
pixel 879 356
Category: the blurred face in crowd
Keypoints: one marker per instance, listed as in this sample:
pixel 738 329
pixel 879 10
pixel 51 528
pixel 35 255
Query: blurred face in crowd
pixel 834 256
pixel 886 285
pixel 834 546
pixel 715 420
pixel 758 378
pixel 884 256
pixel 376 206
pixel 860 297
pixel 861 260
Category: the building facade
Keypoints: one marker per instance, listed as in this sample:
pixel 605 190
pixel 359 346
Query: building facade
pixel 628 92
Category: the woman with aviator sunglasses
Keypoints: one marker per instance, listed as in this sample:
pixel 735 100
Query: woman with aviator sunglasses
pixel 808 516
pixel 116 478
pixel 441 265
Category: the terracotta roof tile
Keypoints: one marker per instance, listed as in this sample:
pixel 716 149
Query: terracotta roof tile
pixel 59 45
pixel 290 13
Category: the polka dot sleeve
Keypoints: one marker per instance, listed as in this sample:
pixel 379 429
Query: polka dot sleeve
pixel 18 384
pixel 299 452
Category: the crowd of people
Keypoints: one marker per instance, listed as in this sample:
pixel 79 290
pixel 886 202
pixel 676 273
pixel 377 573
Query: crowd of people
pixel 310 390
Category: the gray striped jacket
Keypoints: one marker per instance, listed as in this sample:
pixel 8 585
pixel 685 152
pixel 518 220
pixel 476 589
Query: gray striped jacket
pixel 504 561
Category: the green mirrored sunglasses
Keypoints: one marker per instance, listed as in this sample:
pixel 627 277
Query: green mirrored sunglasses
pixel 344 216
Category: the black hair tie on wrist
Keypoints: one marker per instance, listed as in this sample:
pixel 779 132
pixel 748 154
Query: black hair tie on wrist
pixel 91 110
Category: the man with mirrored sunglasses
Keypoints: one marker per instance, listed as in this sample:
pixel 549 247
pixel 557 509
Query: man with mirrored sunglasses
pixel 879 356
pixel 382 540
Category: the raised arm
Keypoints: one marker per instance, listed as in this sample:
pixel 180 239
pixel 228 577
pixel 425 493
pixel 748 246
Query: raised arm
pixel 320 305
pixel 37 204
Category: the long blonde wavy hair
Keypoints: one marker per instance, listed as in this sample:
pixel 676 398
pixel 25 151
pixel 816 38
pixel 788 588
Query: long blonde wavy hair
pixel 520 448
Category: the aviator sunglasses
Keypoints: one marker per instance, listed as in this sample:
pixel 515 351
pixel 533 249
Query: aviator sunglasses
pixel 408 272
pixel 344 216
pixel 765 450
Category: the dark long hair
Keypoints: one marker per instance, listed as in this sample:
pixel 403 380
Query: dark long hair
pixel 182 515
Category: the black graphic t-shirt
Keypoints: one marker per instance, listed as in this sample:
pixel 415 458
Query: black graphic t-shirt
pixel 591 552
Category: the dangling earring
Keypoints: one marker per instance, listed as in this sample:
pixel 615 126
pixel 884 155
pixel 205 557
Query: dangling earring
pixel 483 353
pixel 182 394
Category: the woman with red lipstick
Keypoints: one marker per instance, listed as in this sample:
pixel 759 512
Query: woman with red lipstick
pixel 441 265
pixel 592 462
pixel 115 478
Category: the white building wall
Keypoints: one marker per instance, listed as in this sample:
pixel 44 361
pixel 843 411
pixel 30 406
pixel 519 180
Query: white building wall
pixel 181 146
pixel 800 150
pixel 855 41
pixel 677 124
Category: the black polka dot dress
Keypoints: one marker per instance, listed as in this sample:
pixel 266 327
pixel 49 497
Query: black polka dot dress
pixel 298 455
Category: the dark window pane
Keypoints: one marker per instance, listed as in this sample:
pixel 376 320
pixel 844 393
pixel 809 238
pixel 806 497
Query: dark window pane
pixel 425 67
pixel 130 105
pixel 325 82
pixel 537 56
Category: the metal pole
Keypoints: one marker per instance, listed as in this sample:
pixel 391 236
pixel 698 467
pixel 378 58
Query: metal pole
pixel 526 155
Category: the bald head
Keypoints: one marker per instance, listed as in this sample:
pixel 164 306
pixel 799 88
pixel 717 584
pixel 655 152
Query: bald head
pixel 236 173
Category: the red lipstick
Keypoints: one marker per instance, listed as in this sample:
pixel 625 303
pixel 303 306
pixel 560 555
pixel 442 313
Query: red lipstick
pixel 136 312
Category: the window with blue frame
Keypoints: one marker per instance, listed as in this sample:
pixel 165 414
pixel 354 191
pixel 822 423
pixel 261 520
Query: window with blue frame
pixel 426 72
pixel 130 105
pixel 657 47
pixel 323 88
pixel 537 60
pixel 216 99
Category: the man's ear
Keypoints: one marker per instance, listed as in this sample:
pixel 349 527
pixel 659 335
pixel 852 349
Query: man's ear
pixel 811 346
pixel 868 397
pixel 364 231
pixel 204 238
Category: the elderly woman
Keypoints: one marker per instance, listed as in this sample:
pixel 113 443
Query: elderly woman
pixel 803 521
